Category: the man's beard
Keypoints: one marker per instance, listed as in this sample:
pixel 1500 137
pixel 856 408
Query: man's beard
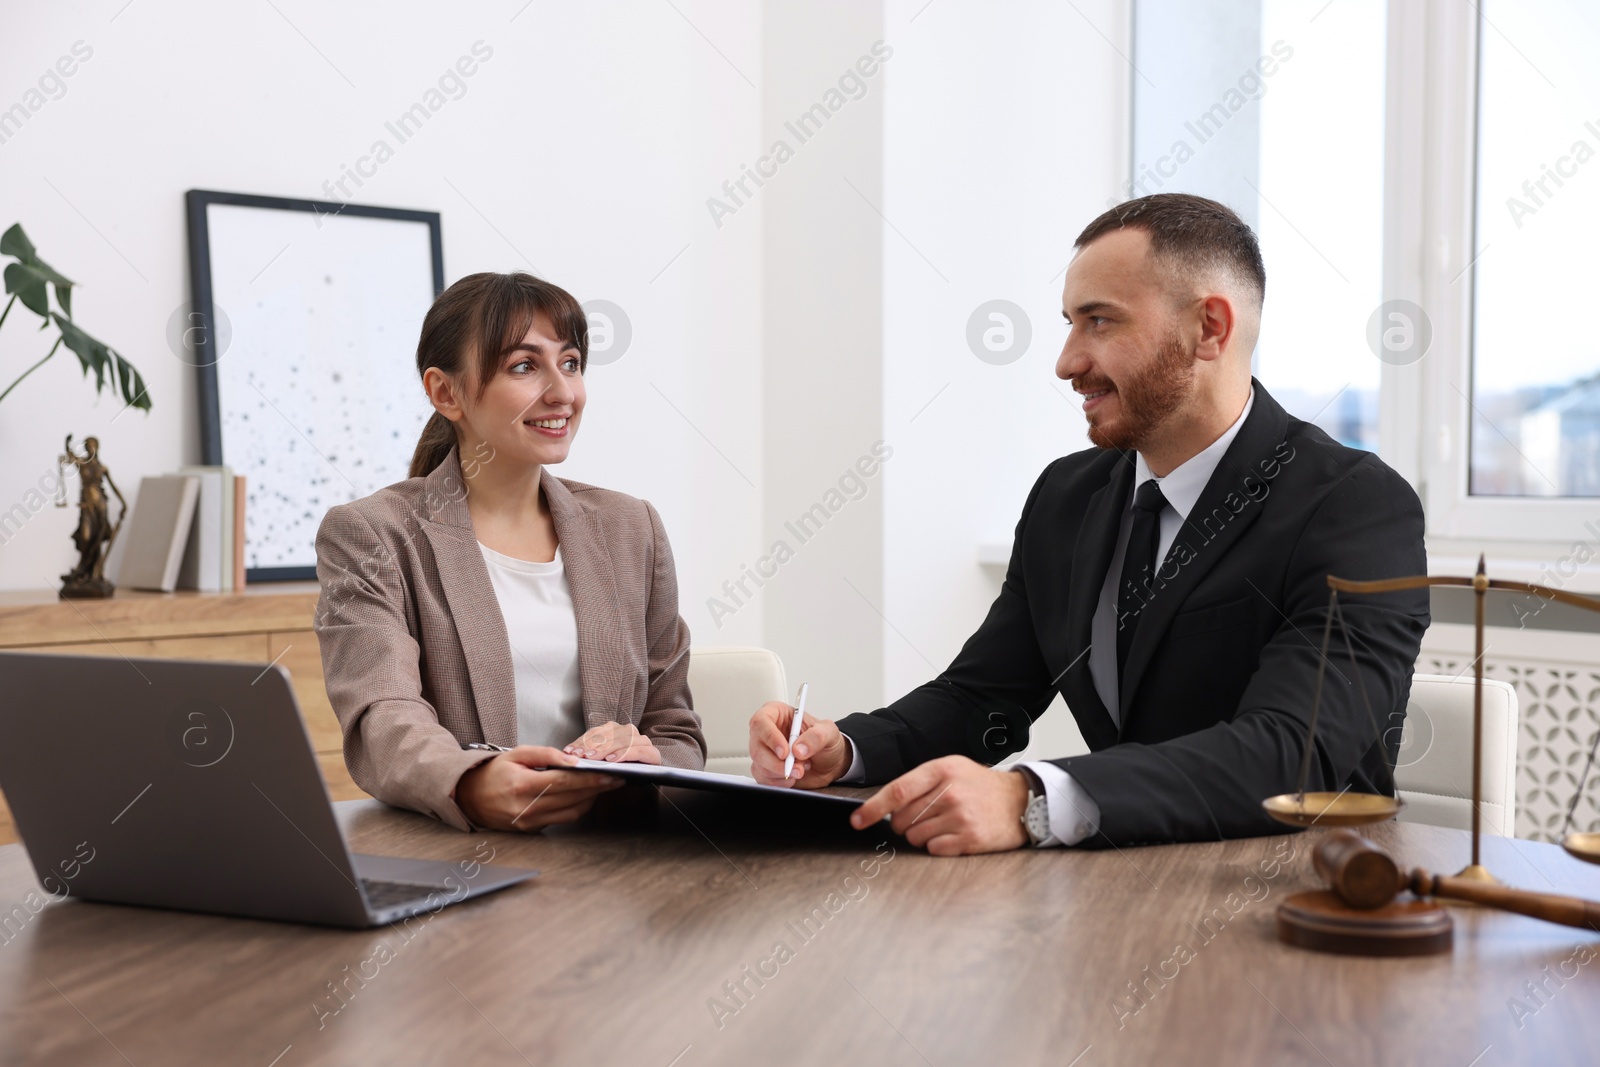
pixel 1147 398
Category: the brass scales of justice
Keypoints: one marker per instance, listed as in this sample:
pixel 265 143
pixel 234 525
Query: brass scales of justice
pixel 1362 911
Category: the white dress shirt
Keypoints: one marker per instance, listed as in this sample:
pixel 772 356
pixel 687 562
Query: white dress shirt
pixel 542 628
pixel 1074 815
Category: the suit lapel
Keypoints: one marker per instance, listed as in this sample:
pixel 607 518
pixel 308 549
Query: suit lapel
pixel 473 607
pixel 603 652
pixel 1200 544
pixel 1097 540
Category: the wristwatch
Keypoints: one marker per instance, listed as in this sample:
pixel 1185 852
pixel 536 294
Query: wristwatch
pixel 1036 816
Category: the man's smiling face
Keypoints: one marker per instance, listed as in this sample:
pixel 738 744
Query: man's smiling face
pixel 1124 353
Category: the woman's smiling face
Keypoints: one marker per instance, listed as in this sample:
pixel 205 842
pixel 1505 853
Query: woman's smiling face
pixel 530 409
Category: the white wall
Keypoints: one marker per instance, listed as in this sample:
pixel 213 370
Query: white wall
pixel 790 338
pixel 1002 123
pixel 823 307
pixel 1202 47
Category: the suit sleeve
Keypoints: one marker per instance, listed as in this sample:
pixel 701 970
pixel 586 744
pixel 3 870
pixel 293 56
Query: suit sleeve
pixel 394 745
pixel 983 703
pixel 669 719
pixel 1210 784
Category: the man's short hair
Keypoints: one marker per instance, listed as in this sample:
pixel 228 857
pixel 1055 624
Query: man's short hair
pixel 1192 233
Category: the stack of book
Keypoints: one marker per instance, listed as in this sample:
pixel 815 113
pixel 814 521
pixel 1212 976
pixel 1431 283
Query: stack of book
pixel 187 532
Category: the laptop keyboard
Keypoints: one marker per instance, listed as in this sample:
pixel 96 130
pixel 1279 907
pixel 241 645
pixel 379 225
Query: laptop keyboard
pixel 383 894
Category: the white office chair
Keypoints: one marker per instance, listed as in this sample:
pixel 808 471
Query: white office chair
pixel 728 685
pixel 1434 771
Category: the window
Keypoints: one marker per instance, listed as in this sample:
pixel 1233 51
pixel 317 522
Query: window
pixel 1535 418
pixel 1495 93
pixel 1276 108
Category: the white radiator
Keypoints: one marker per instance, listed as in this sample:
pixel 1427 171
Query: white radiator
pixel 1557 678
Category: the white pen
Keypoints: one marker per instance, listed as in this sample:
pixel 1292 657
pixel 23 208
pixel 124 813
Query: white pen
pixel 794 728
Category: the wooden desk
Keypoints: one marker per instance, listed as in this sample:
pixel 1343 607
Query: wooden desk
pixel 613 955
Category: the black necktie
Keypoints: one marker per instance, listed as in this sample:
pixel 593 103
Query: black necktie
pixel 1138 566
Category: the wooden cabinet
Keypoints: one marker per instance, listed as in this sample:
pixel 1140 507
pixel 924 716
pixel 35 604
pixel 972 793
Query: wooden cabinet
pixel 264 624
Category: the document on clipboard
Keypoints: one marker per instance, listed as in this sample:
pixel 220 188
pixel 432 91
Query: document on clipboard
pixel 710 780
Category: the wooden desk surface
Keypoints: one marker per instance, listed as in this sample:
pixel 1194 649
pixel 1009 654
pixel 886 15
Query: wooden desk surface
pixel 616 954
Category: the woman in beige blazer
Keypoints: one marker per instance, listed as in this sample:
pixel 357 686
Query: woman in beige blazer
pixel 415 644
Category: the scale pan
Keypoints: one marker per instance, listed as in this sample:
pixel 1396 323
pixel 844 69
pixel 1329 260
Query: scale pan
pixel 1585 847
pixel 1332 809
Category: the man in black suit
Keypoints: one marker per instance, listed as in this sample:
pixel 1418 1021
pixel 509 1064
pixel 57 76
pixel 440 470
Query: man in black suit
pixel 1170 584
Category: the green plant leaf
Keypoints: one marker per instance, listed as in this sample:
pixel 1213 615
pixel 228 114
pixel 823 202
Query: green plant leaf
pixel 29 286
pixel 62 283
pixel 53 276
pixel 103 360
pixel 134 391
pixel 133 387
pixel 28 280
pixel 91 353
pixel 15 243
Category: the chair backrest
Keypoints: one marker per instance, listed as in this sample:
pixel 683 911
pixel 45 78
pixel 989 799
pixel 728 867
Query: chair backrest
pixel 729 684
pixel 1434 770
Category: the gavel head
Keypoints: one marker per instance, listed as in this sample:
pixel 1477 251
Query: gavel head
pixel 1360 873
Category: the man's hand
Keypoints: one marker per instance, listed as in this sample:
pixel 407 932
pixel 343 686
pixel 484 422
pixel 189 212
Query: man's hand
pixel 507 793
pixel 616 742
pixel 954 806
pixel 821 753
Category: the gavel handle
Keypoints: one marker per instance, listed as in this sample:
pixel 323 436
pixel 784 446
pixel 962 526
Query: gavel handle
pixel 1551 907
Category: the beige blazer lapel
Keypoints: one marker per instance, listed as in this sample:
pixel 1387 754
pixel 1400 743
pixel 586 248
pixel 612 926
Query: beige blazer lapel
pixel 473 606
pixel 603 652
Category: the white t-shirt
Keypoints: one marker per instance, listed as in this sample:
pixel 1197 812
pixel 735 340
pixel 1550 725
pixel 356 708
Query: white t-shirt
pixel 542 628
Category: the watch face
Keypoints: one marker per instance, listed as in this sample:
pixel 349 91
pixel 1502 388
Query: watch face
pixel 1038 819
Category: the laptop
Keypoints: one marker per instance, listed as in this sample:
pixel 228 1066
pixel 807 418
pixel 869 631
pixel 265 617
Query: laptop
pixel 192 785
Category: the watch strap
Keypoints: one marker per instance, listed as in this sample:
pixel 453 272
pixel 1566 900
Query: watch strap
pixel 1036 813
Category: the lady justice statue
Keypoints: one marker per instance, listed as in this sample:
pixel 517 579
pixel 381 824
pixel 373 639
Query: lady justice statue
pixel 95 533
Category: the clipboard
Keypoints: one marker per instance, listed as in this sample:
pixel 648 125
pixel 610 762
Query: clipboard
pixel 711 781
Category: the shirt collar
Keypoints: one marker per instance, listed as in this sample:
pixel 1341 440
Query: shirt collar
pixel 1183 486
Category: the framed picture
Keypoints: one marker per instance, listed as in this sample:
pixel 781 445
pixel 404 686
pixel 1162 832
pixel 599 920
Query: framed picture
pixel 303 329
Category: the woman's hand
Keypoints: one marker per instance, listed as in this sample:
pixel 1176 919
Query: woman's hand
pixel 615 742
pixel 509 793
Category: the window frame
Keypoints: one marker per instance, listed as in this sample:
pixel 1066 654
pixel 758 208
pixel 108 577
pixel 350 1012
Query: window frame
pixel 1430 254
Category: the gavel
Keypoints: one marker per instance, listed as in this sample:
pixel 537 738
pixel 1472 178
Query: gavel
pixel 1364 876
